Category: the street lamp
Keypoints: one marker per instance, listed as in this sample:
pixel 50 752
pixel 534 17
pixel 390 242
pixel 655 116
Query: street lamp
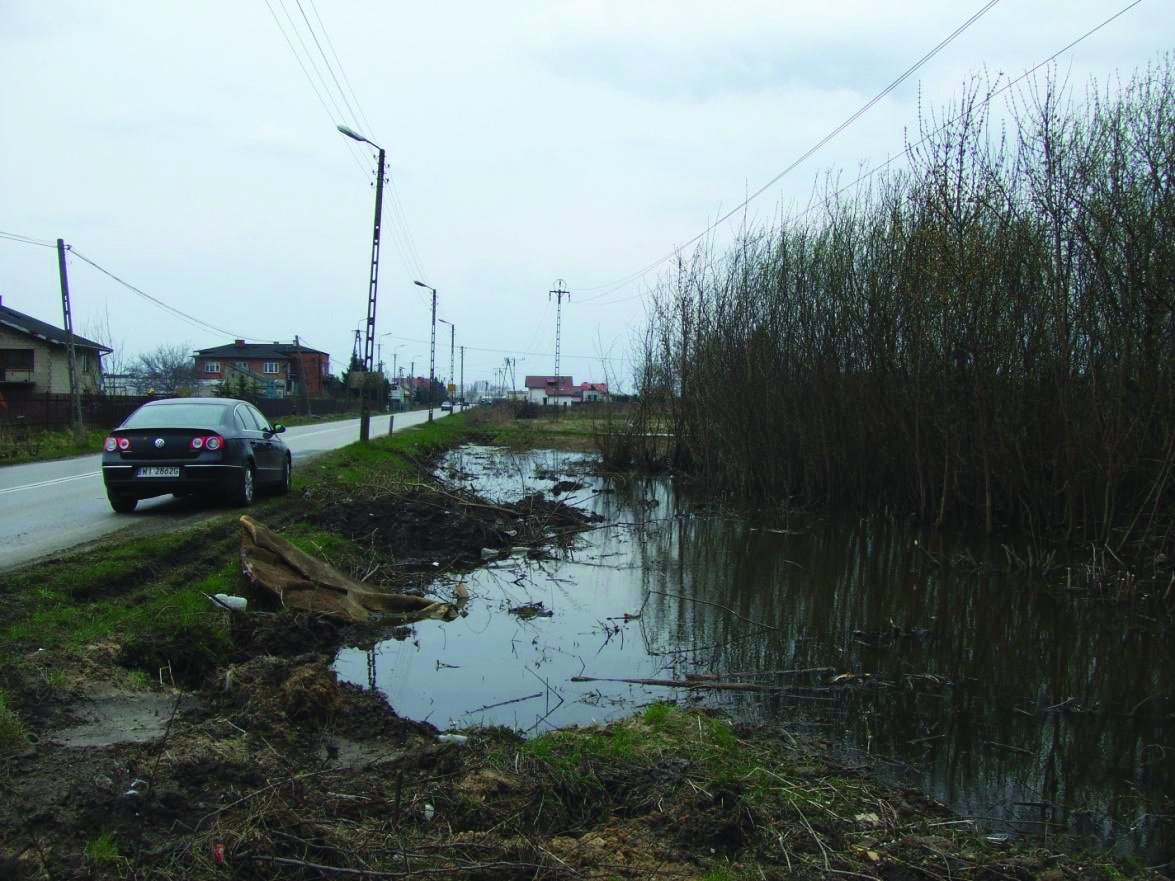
pixel 432 349
pixel 452 338
pixel 369 341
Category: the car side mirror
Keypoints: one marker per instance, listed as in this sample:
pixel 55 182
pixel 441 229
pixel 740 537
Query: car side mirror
pixel 278 428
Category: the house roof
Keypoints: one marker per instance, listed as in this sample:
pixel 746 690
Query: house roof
pixel 241 349
pixel 559 384
pixel 601 387
pixel 30 326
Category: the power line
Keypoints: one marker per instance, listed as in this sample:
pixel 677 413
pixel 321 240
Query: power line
pixel 191 319
pixel 398 227
pixel 836 131
pixel 405 339
pixel 330 43
pixel 27 240
pixel 865 176
pixel 326 61
pixel 310 79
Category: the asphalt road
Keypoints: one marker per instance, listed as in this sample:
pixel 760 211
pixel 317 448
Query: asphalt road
pixel 47 507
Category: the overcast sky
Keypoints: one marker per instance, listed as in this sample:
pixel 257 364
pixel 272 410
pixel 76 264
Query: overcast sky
pixel 183 148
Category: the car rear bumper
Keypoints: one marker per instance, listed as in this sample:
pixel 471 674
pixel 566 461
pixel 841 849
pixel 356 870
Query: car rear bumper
pixel 193 478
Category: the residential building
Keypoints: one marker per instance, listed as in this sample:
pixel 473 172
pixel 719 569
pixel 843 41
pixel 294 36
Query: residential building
pixel 34 357
pixel 551 390
pixel 273 369
pixel 561 391
pixel 593 391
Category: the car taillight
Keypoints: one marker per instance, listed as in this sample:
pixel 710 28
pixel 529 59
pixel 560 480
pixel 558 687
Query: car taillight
pixel 207 442
pixel 116 443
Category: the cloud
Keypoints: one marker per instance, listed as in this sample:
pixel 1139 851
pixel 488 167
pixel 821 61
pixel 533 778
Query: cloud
pixel 697 51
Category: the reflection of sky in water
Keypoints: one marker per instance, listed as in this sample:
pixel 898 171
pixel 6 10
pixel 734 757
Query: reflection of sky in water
pixel 974 677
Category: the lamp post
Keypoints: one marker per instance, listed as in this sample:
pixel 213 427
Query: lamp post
pixel 395 349
pixel 369 339
pixel 432 349
pixel 452 338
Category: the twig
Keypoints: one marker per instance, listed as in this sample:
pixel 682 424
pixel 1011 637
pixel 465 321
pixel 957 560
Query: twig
pixel 1012 749
pixel 371 873
pixel 257 792
pixel 716 605
pixel 516 700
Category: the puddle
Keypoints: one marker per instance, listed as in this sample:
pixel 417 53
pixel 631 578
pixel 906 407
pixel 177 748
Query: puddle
pixel 1031 715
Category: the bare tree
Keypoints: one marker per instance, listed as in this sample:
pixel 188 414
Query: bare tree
pixel 166 370
pixel 98 328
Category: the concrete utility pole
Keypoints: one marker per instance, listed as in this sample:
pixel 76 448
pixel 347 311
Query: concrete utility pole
pixel 75 396
pixel 559 293
pixel 369 344
pixel 432 347
pixel 452 351
pixel 462 395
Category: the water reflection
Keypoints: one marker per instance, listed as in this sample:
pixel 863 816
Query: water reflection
pixel 1005 703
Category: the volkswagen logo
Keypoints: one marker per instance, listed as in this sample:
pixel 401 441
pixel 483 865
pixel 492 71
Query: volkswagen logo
pixel 158 441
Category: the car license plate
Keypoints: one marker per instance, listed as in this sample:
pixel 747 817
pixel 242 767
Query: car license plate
pixel 158 471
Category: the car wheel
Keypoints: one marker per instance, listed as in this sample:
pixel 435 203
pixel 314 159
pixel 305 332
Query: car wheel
pixel 287 480
pixel 121 504
pixel 247 486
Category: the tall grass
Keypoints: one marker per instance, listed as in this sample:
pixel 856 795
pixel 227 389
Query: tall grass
pixel 986 338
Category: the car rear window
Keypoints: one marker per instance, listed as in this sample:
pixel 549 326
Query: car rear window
pixel 176 416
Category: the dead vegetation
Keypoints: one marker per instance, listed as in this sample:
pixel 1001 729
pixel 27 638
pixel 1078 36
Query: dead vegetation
pixel 279 771
pixel 265 766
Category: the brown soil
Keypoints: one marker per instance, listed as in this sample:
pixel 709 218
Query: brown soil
pixel 271 768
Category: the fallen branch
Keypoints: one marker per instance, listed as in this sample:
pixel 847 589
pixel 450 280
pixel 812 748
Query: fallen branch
pixel 716 605
pixel 516 700
pixel 684 683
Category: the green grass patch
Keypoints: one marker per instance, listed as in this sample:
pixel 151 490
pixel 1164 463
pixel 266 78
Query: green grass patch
pixel 13 736
pixel 103 849
pixel 145 595
pixel 17 447
pixel 333 549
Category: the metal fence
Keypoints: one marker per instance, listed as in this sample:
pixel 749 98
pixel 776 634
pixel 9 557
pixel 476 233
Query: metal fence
pixel 40 412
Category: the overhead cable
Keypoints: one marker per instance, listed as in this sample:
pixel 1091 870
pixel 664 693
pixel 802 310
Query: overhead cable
pixel 612 286
pixel 190 319
pixel 866 175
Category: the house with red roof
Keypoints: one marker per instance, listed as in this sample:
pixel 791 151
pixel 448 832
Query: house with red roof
pixel 593 391
pixel 561 391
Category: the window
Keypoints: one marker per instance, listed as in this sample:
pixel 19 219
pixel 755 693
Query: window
pixel 243 365
pixel 246 416
pixel 262 422
pixel 16 359
pixel 212 367
pixel 272 367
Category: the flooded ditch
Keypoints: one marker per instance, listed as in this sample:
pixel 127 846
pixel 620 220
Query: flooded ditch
pixel 1028 712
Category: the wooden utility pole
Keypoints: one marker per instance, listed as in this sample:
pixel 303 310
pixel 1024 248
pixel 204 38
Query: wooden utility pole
pixel 75 397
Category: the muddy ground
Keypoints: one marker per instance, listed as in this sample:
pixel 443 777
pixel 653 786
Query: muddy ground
pixel 270 768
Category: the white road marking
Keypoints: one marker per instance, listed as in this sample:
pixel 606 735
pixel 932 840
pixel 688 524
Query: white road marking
pixel 54 482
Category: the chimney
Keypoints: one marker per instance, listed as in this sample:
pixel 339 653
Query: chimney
pixel 238 342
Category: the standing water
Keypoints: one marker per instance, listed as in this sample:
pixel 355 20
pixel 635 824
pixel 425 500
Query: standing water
pixel 1033 714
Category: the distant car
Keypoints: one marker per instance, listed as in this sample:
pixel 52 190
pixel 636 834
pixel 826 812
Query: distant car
pixel 447 406
pixel 188 446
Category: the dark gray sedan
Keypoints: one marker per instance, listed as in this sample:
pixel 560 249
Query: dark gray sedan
pixel 186 446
